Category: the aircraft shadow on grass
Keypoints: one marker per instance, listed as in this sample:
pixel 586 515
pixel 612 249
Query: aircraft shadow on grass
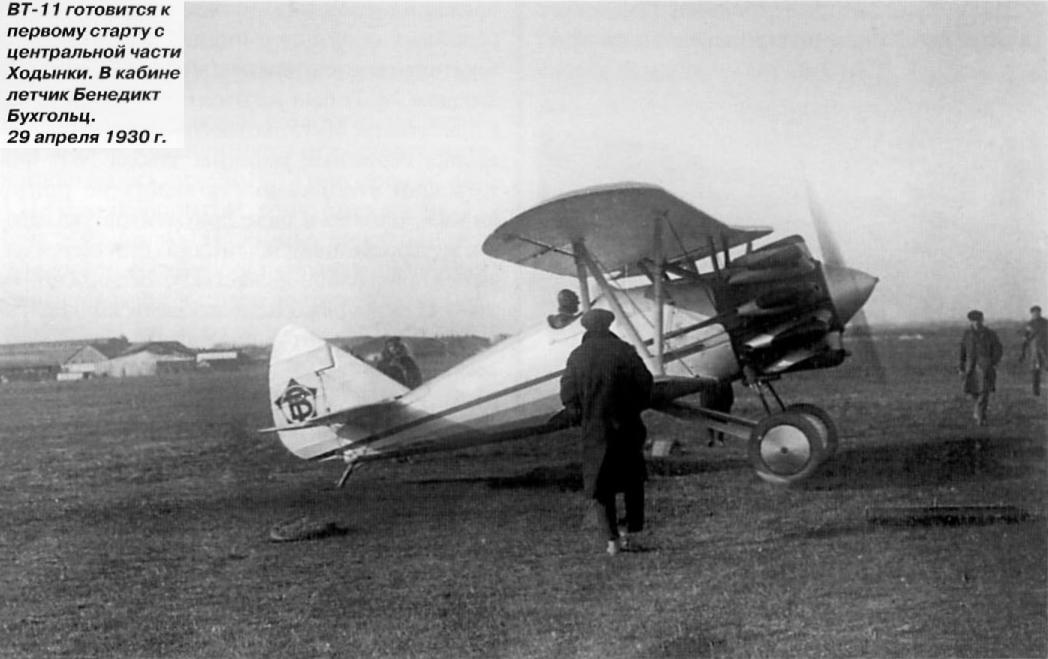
pixel 934 463
pixel 568 478
pixel 940 462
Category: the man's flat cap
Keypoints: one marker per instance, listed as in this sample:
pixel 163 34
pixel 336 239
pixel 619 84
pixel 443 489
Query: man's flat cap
pixel 975 314
pixel 597 319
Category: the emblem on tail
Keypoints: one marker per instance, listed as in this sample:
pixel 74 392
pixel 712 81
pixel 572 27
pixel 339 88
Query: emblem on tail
pixel 297 403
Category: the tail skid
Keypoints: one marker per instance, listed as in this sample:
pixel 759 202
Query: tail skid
pixel 310 379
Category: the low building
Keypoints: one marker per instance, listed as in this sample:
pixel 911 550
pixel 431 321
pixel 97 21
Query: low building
pixel 220 360
pixel 29 367
pixel 44 360
pixel 83 363
pixel 149 358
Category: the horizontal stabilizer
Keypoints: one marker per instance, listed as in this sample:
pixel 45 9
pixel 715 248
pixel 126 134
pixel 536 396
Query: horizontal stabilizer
pixel 347 415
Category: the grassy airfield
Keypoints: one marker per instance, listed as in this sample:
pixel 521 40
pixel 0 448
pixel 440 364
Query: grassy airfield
pixel 136 516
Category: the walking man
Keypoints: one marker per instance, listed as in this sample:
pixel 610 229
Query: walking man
pixel 1035 337
pixel 604 388
pixel 981 351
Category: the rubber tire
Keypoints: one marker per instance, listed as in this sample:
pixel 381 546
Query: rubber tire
pixel 798 421
pixel 832 441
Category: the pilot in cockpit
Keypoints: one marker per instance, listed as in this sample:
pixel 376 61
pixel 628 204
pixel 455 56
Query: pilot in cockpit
pixel 396 362
pixel 567 309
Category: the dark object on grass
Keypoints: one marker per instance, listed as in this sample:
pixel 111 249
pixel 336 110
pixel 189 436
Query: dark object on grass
pixel 304 528
pixel 945 515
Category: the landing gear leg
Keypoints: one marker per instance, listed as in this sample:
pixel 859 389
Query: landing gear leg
pixel 760 386
pixel 350 466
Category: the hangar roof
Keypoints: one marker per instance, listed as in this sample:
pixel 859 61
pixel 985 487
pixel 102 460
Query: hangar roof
pixel 47 354
pixel 171 348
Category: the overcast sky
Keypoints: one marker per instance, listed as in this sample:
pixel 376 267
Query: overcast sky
pixel 343 163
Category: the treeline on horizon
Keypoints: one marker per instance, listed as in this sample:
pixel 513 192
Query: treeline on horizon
pixel 467 344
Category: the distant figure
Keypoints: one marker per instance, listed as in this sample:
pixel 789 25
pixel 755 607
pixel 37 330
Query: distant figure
pixel 567 309
pixel 981 351
pixel 396 362
pixel 604 388
pixel 1035 335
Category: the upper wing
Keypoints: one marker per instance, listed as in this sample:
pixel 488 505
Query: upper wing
pixel 616 223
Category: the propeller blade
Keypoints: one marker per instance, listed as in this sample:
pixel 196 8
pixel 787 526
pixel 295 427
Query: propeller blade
pixel 865 351
pixel 831 253
pixel 862 346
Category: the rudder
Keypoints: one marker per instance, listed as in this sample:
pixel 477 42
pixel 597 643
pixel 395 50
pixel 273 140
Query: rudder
pixel 310 378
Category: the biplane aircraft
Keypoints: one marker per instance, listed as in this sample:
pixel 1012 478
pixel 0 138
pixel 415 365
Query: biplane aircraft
pixel 714 308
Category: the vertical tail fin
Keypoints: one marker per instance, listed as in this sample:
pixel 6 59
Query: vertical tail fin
pixel 310 378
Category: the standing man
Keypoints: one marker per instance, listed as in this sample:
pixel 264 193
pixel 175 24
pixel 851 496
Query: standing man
pixel 604 388
pixel 981 351
pixel 1035 335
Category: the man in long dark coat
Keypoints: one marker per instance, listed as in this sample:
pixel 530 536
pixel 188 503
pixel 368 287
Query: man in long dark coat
pixel 605 387
pixel 981 351
pixel 1035 343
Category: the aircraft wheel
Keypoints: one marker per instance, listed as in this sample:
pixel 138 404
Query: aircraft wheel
pixel 786 447
pixel 824 423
